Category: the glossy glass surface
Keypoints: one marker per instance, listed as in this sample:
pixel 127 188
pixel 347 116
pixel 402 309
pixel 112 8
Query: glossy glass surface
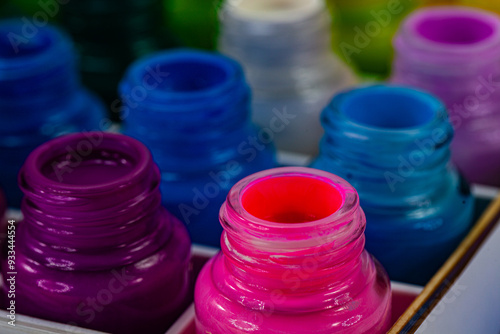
pixel 96 248
pixel 3 218
pixel 292 260
pixel 392 144
pixel 454 53
pixel 191 109
pixel 284 47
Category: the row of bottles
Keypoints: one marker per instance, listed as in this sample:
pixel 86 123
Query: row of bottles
pixel 191 109
pixel 196 23
pixel 300 74
pixel 93 201
pixel 296 215
pixel 106 255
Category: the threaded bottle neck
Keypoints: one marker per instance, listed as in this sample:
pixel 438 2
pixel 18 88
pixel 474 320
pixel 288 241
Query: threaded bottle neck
pixel 195 98
pixel 278 219
pixel 389 142
pixel 98 23
pixel 449 38
pixel 284 45
pixel 92 194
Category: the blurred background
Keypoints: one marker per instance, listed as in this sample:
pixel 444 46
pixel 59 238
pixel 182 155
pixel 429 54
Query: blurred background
pixel 110 34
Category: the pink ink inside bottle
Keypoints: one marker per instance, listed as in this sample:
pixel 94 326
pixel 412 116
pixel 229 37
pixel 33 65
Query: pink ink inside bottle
pixel 292 260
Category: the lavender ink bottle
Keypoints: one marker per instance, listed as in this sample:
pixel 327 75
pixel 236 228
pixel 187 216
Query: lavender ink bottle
pixel 454 53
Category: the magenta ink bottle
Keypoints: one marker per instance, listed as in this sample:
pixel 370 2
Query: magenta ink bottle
pixel 292 260
pixel 454 52
pixel 96 248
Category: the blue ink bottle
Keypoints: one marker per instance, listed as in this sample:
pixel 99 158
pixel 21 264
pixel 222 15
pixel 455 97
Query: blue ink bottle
pixel 392 144
pixel 191 108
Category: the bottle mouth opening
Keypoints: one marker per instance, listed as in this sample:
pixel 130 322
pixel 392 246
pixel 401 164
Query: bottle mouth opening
pixel 274 10
pixel 92 161
pixel 191 76
pixel 291 199
pixel 456 29
pixel 388 108
pixel 182 73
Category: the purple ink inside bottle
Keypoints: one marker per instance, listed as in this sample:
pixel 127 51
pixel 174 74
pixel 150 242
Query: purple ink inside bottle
pixel 96 247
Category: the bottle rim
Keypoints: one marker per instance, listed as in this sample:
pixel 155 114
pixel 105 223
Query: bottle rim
pixel 230 72
pixel 51 47
pixel 34 171
pixel 364 99
pixel 235 214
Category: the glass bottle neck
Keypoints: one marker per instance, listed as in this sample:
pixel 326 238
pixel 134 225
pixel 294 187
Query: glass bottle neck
pixel 92 225
pixel 194 106
pixel 296 258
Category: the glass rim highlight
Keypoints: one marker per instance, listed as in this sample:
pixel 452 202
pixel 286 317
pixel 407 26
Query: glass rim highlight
pixel 41 156
pixel 237 212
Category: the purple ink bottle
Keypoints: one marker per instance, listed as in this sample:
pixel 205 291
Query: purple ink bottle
pixel 454 53
pixel 96 248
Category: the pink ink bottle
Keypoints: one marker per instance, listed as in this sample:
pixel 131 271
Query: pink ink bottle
pixel 292 260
